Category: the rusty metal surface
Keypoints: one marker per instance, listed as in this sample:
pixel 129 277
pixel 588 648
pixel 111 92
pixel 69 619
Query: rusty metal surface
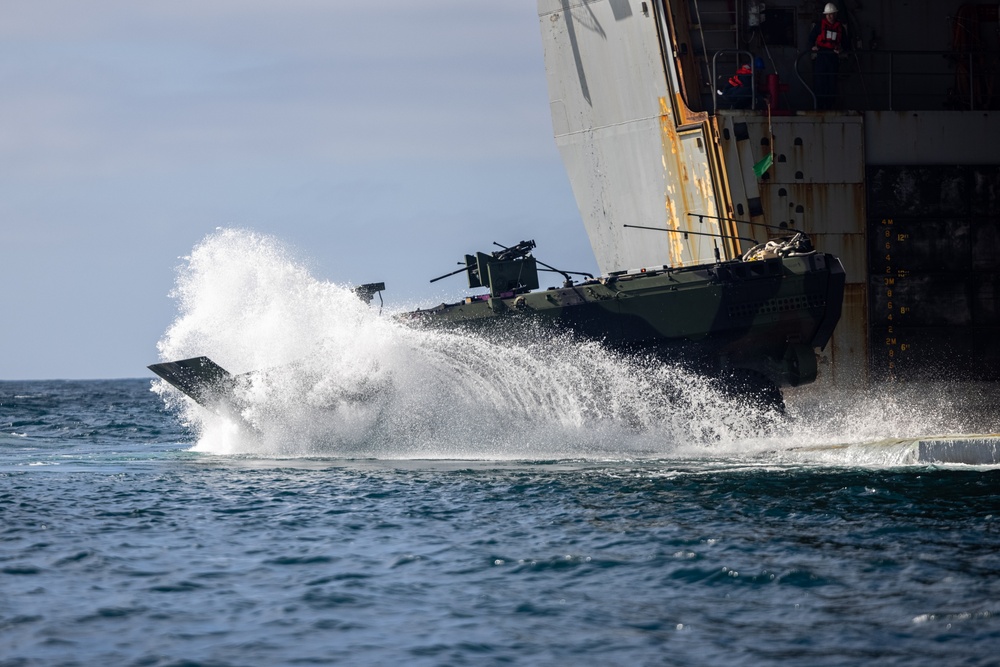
pixel 844 362
pixel 617 131
pixel 817 185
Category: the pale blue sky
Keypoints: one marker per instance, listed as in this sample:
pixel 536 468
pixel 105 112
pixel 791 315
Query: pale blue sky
pixel 381 140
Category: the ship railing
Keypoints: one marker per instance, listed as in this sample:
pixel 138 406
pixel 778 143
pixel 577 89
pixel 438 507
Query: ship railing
pixel 910 80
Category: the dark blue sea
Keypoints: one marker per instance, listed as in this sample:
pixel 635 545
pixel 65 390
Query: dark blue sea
pixel 130 534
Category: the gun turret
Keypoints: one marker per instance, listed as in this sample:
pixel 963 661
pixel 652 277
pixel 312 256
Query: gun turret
pixel 507 270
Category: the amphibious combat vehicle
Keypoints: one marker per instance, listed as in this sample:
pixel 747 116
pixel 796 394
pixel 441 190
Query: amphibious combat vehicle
pixel 752 322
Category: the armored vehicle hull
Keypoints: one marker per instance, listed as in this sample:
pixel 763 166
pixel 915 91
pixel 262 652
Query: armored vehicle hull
pixel 761 316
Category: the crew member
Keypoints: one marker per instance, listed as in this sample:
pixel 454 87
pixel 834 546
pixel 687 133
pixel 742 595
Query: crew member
pixel 737 92
pixel 828 38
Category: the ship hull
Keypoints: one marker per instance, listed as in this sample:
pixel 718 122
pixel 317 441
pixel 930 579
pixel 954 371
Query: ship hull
pixel 897 175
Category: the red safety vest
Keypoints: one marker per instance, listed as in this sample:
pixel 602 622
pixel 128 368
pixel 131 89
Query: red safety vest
pixel 734 80
pixel 830 35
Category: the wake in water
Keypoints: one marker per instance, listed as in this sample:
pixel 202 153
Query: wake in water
pixel 334 378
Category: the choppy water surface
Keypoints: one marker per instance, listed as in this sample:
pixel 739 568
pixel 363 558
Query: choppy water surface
pixel 407 497
pixel 119 545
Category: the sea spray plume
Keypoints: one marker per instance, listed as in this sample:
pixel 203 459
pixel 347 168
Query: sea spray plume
pixel 246 302
pixel 441 394
pixel 331 378
pixel 433 394
pixel 824 425
pixel 869 414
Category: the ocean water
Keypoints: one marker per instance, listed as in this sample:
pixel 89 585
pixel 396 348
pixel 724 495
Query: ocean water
pixel 385 495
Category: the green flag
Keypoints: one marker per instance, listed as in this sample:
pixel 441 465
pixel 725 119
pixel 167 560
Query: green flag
pixel 763 165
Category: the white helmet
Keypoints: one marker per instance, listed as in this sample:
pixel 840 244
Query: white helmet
pixel 830 8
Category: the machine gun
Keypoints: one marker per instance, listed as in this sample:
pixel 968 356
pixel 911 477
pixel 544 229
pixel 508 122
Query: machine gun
pixel 508 270
pixel 514 252
pixel 503 271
